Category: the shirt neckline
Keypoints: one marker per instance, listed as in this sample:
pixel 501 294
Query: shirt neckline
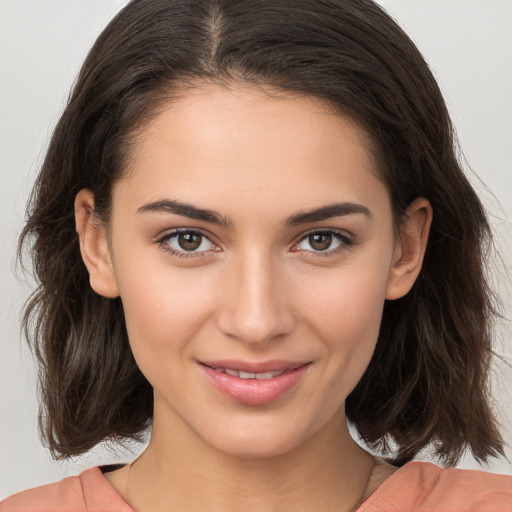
pixel 377 496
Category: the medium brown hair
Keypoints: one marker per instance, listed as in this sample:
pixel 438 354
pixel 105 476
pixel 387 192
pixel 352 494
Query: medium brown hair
pixel 427 381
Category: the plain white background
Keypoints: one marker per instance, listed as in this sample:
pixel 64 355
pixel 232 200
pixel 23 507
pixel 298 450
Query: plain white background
pixel 468 44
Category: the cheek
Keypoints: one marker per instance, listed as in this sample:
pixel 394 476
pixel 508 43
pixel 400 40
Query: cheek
pixel 350 301
pixel 345 313
pixel 164 309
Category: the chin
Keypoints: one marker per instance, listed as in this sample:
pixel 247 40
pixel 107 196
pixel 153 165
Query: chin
pixel 259 438
pixel 260 447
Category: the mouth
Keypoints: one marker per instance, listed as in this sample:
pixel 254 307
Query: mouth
pixel 249 375
pixel 254 383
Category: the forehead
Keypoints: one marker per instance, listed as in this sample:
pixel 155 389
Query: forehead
pixel 215 143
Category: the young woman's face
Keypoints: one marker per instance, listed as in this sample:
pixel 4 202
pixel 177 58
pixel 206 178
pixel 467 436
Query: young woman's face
pixel 253 248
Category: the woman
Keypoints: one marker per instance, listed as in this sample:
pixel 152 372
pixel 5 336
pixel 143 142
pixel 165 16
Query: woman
pixel 271 236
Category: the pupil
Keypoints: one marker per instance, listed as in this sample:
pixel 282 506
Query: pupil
pixel 189 241
pixel 320 241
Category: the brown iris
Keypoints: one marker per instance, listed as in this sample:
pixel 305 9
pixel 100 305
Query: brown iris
pixel 189 241
pixel 320 241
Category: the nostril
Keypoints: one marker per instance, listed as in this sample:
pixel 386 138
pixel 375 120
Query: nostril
pixel 254 309
pixel 259 329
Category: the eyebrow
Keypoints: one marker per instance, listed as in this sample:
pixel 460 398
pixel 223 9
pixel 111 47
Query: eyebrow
pixel 318 214
pixel 187 210
pixel 328 212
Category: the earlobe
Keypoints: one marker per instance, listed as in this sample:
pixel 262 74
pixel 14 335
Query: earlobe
pixel 94 246
pixel 409 249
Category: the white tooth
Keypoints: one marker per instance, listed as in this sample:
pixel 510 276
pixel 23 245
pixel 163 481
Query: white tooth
pixel 265 376
pixel 233 373
pixel 246 375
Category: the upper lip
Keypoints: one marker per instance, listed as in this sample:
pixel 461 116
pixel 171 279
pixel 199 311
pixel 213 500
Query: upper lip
pixel 277 365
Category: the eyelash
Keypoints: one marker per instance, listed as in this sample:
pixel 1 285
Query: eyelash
pixel 182 254
pixel 346 242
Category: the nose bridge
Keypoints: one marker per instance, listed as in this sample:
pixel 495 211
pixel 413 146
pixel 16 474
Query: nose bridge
pixel 256 306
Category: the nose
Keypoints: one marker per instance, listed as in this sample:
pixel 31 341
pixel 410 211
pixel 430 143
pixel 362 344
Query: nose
pixel 255 308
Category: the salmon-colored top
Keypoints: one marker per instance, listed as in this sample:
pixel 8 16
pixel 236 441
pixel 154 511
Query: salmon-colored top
pixel 416 487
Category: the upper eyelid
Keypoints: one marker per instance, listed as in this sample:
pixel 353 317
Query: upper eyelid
pixel 181 253
pixel 298 238
pixel 335 231
pixel 209 235
pixel 325 230
pixel 174 231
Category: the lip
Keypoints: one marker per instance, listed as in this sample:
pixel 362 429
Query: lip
pixel 275 365
pixel 254 391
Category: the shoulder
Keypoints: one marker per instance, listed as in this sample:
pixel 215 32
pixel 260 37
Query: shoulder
pixel 61 496
pixel 422 486
pixel 88 492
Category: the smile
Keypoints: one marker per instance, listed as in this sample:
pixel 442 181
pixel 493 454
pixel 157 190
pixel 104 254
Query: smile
pixel 249 375
pixel 254 383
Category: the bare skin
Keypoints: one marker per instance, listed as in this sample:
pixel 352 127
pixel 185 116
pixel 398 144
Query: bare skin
pixel 301 480
pixel 280 484
pixel 277 274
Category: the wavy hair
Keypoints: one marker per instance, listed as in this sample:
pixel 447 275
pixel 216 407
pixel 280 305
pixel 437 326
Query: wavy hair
pixel 427 383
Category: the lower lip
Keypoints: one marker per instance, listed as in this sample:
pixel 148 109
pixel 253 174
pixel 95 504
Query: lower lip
pixel 254 391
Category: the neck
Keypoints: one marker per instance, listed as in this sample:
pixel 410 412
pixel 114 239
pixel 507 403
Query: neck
pixel 177 472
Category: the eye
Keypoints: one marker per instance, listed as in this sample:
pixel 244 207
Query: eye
pixel 327 241
pixel 186 242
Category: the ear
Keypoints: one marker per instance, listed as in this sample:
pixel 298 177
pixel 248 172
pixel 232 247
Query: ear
pixel 409 249
pixel 94 246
